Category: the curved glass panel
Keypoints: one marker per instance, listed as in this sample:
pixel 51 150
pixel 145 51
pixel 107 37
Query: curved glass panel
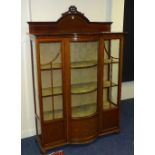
pixel 84 78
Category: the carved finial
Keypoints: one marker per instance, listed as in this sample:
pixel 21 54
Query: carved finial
pixel 72 10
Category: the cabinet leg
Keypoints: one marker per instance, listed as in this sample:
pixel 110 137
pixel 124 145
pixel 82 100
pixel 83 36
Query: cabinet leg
pixel 42 150
pixel 117 131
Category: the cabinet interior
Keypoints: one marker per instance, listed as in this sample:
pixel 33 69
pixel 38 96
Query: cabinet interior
pixel 83 64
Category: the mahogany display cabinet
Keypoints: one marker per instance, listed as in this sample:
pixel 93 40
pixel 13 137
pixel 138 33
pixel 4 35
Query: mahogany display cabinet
pixel 77 74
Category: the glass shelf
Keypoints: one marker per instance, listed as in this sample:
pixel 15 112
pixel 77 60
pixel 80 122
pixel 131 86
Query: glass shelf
pixel 108 105
pixel 83 88
pixel 76 88
pixel 48 91
pixel 48 115
pixel 77 65
pixel 111 60
pixel 78 111
pixel 84 110
pixel 48 66
pixel 109 84
pixel 83 64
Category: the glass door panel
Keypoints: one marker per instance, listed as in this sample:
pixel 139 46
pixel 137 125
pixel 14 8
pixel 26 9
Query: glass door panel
pixel 111 72
pixel 51 80
pixel 84 78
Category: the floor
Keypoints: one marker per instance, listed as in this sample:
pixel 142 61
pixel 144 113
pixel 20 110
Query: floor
pixel 113 144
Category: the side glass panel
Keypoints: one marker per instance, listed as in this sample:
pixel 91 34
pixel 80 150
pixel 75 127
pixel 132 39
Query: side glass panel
pixel 111 72
pixel 84 78
pixel 37 103
pixel 51 79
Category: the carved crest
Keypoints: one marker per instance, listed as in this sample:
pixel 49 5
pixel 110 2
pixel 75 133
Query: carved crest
pixel 72 10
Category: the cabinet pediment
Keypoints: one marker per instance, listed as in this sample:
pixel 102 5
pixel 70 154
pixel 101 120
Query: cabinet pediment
pixel 73 17
pixel 70 22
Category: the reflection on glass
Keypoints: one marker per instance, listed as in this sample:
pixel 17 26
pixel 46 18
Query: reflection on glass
pixel 51 79
pixel 84 78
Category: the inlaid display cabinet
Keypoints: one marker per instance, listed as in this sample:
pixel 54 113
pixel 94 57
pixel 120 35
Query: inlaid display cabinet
pixel 77 73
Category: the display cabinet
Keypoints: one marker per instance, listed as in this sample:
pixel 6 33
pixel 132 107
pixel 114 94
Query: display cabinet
pixel 77 73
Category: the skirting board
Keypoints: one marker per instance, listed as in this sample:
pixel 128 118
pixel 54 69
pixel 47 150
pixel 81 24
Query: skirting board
pixel 28 133
pixel 127 90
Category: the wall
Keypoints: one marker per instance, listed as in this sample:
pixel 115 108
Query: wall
pixel 50 10
pixel 117 9
pixel 127 90
pixel 27 108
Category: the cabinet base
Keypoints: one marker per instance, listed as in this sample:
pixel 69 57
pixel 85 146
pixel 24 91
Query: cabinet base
pixel 109 131
pixel 44 150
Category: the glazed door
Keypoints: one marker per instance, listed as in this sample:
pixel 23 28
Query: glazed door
pixel 51 90
pixel 111 72
pixel 83 66
pixel 112 82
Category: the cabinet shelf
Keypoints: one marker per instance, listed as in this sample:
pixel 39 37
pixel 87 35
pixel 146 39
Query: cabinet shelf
pixel 89 109
pixel 77 65
pixel 109 84
pixel 111 60
pixel 48 66
pixel 48 91
pixel 76 88
pixel 48 115
pixel 108 105
pixel 84 110
pixel 83 64
pixel 78 111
